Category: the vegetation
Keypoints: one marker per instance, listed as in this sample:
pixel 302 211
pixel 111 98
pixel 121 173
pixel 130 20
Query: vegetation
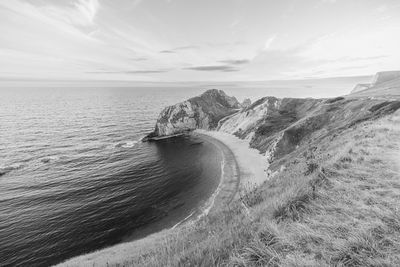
pixel 334 204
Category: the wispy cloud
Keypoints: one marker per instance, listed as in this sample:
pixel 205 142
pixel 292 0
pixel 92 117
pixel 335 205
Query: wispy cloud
pixel 167 51
pixel 132 71
pixel 177 49
pixel 223 68
pixel 80 13
pixel 269 42
pixel 88 9
pixel 235 61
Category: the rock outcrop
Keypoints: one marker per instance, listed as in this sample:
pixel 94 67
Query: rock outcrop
pixel 201 112
pixel 246 103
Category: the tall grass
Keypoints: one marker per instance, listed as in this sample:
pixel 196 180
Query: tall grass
pixel 335 205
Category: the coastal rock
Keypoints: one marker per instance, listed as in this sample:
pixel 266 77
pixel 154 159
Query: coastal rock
pixel 201 112
pixel 246 103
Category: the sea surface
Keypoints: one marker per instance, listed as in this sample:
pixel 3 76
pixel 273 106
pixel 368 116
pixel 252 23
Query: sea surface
pixel 75 177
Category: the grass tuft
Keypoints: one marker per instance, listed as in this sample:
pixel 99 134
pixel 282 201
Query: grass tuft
pixel 295 206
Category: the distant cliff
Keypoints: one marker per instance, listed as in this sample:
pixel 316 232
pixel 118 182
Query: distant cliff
pixel 380 79
pixel 201 112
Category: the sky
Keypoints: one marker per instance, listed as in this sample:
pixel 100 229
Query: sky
pixel 197 40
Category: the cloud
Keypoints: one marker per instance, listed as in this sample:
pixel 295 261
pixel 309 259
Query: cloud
pixel 269 42
pixel 139 59
pixel 235 61
pixel 167 52
pixel 131 71
pixel 176 49
pixel 88 8
pixel 80 13
pixel 144 71
pixel 223 68
pixel 187 47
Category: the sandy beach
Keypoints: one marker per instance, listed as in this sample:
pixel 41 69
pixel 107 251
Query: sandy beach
pixel 251 163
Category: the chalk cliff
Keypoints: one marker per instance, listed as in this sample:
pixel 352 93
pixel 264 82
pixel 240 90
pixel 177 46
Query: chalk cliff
pixel 380 80
pixel 201 112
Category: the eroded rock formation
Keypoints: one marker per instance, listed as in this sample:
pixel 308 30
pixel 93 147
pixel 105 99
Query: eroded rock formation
pixel 201 112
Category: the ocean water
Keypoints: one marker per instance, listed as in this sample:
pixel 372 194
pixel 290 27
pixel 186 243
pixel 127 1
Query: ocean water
pixel 74 176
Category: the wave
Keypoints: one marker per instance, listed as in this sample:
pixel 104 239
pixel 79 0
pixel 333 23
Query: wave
pixel 49 159
pixel 6 169
pixel 124 144
pixel 184 220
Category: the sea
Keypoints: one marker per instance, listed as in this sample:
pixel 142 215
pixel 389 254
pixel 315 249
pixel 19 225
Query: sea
pixel 75 176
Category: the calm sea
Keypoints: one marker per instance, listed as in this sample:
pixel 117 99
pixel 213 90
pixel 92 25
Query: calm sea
pixel 74 176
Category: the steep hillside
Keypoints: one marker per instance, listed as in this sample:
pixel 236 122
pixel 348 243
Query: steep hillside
pixel 278 127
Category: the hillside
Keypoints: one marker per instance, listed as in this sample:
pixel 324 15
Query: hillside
pixel 331 198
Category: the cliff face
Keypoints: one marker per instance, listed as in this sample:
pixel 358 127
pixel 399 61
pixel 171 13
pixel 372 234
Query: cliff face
pixel 201 112
pixel 280 128
pixel 380 81
pixel 385 76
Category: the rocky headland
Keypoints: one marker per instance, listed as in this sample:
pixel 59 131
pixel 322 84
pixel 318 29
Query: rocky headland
pixel 201 112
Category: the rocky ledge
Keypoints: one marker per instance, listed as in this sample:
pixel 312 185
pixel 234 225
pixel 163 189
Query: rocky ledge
pixel 201 112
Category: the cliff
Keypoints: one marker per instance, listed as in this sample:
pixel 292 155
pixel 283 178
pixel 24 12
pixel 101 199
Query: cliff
pixel 201 112
pixel 277 127
pixel 380 81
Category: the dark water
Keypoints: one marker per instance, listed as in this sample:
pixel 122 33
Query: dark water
pixel 74 176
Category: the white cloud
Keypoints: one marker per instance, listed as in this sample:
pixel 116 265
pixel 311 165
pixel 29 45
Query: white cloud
pixel 81 13
pixel 88 8
pixel 269 42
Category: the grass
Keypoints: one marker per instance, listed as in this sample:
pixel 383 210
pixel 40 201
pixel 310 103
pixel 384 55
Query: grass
pixel 336 203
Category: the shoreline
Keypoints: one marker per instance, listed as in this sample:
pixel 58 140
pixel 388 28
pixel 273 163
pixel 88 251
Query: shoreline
pixel 252 165
pixel 236 174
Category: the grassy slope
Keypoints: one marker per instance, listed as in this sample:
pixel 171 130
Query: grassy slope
pixel 334 204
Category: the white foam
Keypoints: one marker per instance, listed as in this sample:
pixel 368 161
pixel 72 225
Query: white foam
pixel 211 200
pixel 129 144
pixel 182 221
